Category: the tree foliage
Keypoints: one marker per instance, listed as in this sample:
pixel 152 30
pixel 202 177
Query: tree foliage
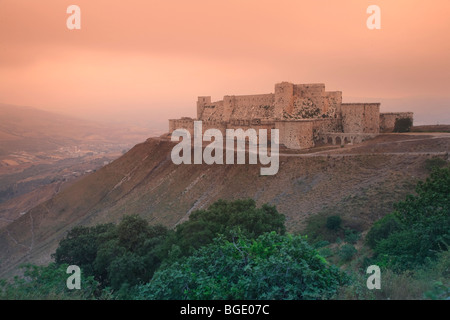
pixel 46 282
pixel 114 254
pixel 403 125
pixel 224 218
pixel 419 227
pixel 273 266
pixel 334 222
pixel 129 253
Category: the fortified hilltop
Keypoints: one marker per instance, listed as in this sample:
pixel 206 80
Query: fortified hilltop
pixel 304 114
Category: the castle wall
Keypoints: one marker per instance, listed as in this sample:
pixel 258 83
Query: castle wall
pixel 284 99
pixel 201 102
pixel 249 124
pixel 387 120
pixel 238 107
pixel 313 93
pixel 327 125
pixel 296 134
pixel 332 103
pixel 222 126
pixel 289 102
pixel 304 114
pixel 187 124
pixel 213 111
pixel 253 106
pixel 360 117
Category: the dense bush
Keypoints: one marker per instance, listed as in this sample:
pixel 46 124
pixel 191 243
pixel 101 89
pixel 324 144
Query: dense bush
pixel 438 162
pixel 271 267
pixel 346 252
pixel 403 125
pixel 418 229
pixel 224 218
pixel 382 229
pixel 128 254
pixel 351 236
pixel 334 222
pixel 81 244
pixel 46 282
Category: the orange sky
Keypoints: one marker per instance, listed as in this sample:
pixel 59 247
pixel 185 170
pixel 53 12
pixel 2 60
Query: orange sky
pixel 145 61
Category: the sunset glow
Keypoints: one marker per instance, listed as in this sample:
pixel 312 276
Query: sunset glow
pixel 147 61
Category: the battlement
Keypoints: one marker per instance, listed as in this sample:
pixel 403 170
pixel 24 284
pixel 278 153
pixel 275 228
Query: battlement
pixel 300 111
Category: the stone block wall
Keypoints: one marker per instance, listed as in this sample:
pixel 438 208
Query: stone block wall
pixel 360 117
pixel 187 124
pixel 284 99
pixel 201 103
pixel 296 134
pixel 304 114
pixel 387 120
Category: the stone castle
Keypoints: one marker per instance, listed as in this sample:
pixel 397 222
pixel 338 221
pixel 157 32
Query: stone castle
pixel 304 114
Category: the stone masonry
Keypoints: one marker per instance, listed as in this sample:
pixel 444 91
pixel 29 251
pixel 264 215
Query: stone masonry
pixel 304 114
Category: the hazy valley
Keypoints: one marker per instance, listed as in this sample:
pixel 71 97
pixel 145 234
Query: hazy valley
pixel 43 152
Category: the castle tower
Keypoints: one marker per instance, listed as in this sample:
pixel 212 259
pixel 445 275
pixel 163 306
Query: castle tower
pixel 284 99
pixel 229 103
pixel 201 103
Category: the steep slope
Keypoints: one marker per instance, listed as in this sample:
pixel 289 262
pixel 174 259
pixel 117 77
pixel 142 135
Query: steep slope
pixel 361 187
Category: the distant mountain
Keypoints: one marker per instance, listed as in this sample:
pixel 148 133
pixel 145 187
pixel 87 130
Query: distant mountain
pixel 360 183
pixel 30 129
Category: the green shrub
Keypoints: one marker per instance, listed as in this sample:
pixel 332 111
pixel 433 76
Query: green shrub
pixel 317 230
pixel 114 254
pixel 434 162
pixel 382 229
pixel 347 252
pixel 124 255
pixel 418 229
pixel 325 252
pixel 334 222
pixel 46 282
pixel 351 236
pixel 272 267
pixel 403 125
pixel 320 244
pixel 225 217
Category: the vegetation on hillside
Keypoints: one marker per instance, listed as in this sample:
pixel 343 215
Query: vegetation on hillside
pixel 418 229
pixel 235 250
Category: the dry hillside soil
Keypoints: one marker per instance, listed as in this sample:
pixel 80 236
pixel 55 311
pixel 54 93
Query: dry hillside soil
pixel 361 183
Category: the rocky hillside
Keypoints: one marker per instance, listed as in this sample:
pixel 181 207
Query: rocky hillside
pixel 361 183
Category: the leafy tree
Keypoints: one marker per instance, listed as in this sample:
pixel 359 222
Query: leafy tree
pixel 419 228
pixel 273 266
pixel 46 282
pixel 132 232
pixel 127 253
pixel 334 222
pixel 127 269
pixel 382 229
pixel 225 217
pixel 347 252
pixel 124 255
pixel 403 125
pixel 81 244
